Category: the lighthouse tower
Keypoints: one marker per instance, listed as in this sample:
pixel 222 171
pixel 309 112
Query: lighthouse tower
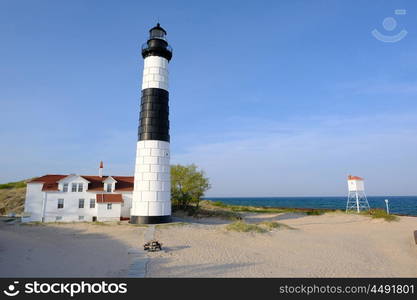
pixel 151 201
pixel 356 198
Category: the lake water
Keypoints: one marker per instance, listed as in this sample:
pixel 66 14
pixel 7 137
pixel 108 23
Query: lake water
pixel 404 205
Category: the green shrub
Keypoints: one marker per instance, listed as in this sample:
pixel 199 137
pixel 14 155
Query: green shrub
pixel 188 185
pixel 13 185
pixel 219 204
pixel 316 212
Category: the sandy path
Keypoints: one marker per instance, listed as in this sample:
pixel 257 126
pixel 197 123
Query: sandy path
pixel 331 245
pixel 70 250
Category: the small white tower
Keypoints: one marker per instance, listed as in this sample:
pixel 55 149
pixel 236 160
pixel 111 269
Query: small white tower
pixel 356 197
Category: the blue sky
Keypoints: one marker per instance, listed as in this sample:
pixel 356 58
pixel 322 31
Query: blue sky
pixel 270 98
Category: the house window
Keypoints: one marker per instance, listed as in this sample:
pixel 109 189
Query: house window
pixel 109 187
pixel 77 187
pixel 92 203
pixel 60 203
pixel 80 218
pixel 80 203
pixel 109 205
pixel 65 188
pixel 58 218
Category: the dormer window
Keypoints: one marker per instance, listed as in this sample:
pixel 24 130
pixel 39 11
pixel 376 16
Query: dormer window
pixel 73 183
pixel 77 187
pixel 109 184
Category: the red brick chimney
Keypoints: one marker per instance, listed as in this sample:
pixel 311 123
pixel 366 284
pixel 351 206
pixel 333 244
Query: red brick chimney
pixel 100 169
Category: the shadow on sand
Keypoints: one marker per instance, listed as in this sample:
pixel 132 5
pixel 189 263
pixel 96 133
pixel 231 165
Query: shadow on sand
pixel 55 251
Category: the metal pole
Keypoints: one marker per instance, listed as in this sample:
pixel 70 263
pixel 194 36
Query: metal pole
pixel 357 202
pixel 347 203
pixel 386 202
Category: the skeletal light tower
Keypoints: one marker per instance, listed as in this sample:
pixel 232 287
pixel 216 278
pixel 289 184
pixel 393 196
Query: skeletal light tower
pixel 356 198
pixel 151 201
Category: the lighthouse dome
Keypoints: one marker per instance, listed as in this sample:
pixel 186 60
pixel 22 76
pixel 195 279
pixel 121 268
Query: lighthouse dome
pixel 157 32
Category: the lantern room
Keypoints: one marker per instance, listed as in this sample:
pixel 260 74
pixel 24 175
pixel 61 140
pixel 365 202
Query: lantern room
pixel 157 44
pixel 355 184
pixel 157 32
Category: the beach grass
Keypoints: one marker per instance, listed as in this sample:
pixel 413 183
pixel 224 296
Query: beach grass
pixel 263 209
pixel 380 214
pixel 63 223
pixel 100 223
pixel 12 200
pixel 39 223
pixel 275 225
pixel 36 223
pixel 254 209
pixel 207 212
pixel 241 226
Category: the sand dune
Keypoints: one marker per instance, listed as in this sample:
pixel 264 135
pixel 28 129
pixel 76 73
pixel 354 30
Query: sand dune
pixel 330 245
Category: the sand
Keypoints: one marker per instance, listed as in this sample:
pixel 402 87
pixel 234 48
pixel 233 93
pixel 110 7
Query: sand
pixel 330 245
pixel 67 250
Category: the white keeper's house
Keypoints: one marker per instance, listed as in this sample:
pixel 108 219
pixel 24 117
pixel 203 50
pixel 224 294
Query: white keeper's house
pixel 69 198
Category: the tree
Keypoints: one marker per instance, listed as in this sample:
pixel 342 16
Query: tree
pixel 188 185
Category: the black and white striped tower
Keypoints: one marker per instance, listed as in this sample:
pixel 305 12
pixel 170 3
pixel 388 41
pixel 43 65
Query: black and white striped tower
pixel 151 201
